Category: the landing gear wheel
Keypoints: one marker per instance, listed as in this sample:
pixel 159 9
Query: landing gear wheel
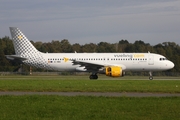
pixel 150 77
pixel 93 77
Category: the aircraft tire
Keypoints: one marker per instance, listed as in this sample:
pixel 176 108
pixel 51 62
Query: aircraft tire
pixel 93 77
pixel 150 77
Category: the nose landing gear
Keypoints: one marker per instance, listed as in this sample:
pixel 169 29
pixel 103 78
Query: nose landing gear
pixel 150 76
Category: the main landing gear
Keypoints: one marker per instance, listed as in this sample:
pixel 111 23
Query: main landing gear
pixel 93 76
pixel 150 76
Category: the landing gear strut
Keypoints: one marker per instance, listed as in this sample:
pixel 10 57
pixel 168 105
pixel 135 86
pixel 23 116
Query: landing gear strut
pixel 150 76
pixel 93 76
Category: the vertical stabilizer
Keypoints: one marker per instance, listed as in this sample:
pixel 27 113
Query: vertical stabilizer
pixel 22 45
pixel 25 51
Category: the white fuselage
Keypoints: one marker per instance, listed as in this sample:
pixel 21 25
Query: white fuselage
pixel 128 61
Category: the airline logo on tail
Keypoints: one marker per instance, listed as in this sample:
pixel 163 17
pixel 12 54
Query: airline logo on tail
pixel 20 37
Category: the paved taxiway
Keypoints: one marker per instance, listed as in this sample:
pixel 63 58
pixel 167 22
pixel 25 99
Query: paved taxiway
pixel 106 94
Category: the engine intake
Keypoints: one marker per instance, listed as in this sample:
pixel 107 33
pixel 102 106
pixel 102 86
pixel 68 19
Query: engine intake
pixel 114 71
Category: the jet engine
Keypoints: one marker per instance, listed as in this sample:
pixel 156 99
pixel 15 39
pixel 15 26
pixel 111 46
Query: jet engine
pixel 114 71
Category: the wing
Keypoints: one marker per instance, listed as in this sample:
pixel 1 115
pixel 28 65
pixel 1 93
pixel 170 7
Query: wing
pixel 94 66
pixel 88 66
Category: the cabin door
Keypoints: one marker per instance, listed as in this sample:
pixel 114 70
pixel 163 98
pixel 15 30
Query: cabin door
pixel 151 60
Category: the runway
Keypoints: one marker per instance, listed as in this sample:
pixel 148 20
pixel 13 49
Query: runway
pixel 98 94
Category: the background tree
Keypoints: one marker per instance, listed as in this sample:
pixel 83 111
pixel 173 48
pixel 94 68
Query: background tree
pixel 122 45
pixel 76 47
pixel 89 48
pixel 105 47
pixel 65 46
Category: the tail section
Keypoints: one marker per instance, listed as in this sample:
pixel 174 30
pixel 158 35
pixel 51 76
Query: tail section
pixel 25 51
pixel 22 45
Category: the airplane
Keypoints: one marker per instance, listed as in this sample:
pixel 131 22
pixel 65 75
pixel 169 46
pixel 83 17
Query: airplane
pixel 110 64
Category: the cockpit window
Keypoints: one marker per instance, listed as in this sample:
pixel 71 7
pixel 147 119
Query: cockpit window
pixel 161 59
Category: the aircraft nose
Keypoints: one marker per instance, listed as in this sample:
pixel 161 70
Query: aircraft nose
pixel 171 65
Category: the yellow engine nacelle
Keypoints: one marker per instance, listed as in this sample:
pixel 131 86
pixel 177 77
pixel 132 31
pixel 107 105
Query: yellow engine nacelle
pixel 114 71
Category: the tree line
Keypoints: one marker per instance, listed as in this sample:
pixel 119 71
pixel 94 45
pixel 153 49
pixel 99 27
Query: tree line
pixel 170 50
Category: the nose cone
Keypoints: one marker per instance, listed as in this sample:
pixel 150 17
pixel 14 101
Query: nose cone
pixel 170 65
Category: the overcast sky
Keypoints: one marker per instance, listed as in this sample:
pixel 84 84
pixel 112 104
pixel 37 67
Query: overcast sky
pixel 93 21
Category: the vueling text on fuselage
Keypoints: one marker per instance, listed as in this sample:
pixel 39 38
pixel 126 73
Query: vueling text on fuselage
pixel 130 55
pixel 124 55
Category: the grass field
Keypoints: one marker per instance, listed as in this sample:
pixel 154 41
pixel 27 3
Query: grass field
pixel 44 107
pixel 52 107
pixel 83 84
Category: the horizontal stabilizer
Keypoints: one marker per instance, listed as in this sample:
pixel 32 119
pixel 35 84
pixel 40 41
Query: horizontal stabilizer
pixel 15 57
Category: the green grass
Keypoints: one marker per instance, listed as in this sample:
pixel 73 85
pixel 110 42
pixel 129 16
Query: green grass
pixel 83 84
pixel 86 108
pixel 52 107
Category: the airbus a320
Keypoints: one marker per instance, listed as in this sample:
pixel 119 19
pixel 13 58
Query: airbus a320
pixel 110 64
